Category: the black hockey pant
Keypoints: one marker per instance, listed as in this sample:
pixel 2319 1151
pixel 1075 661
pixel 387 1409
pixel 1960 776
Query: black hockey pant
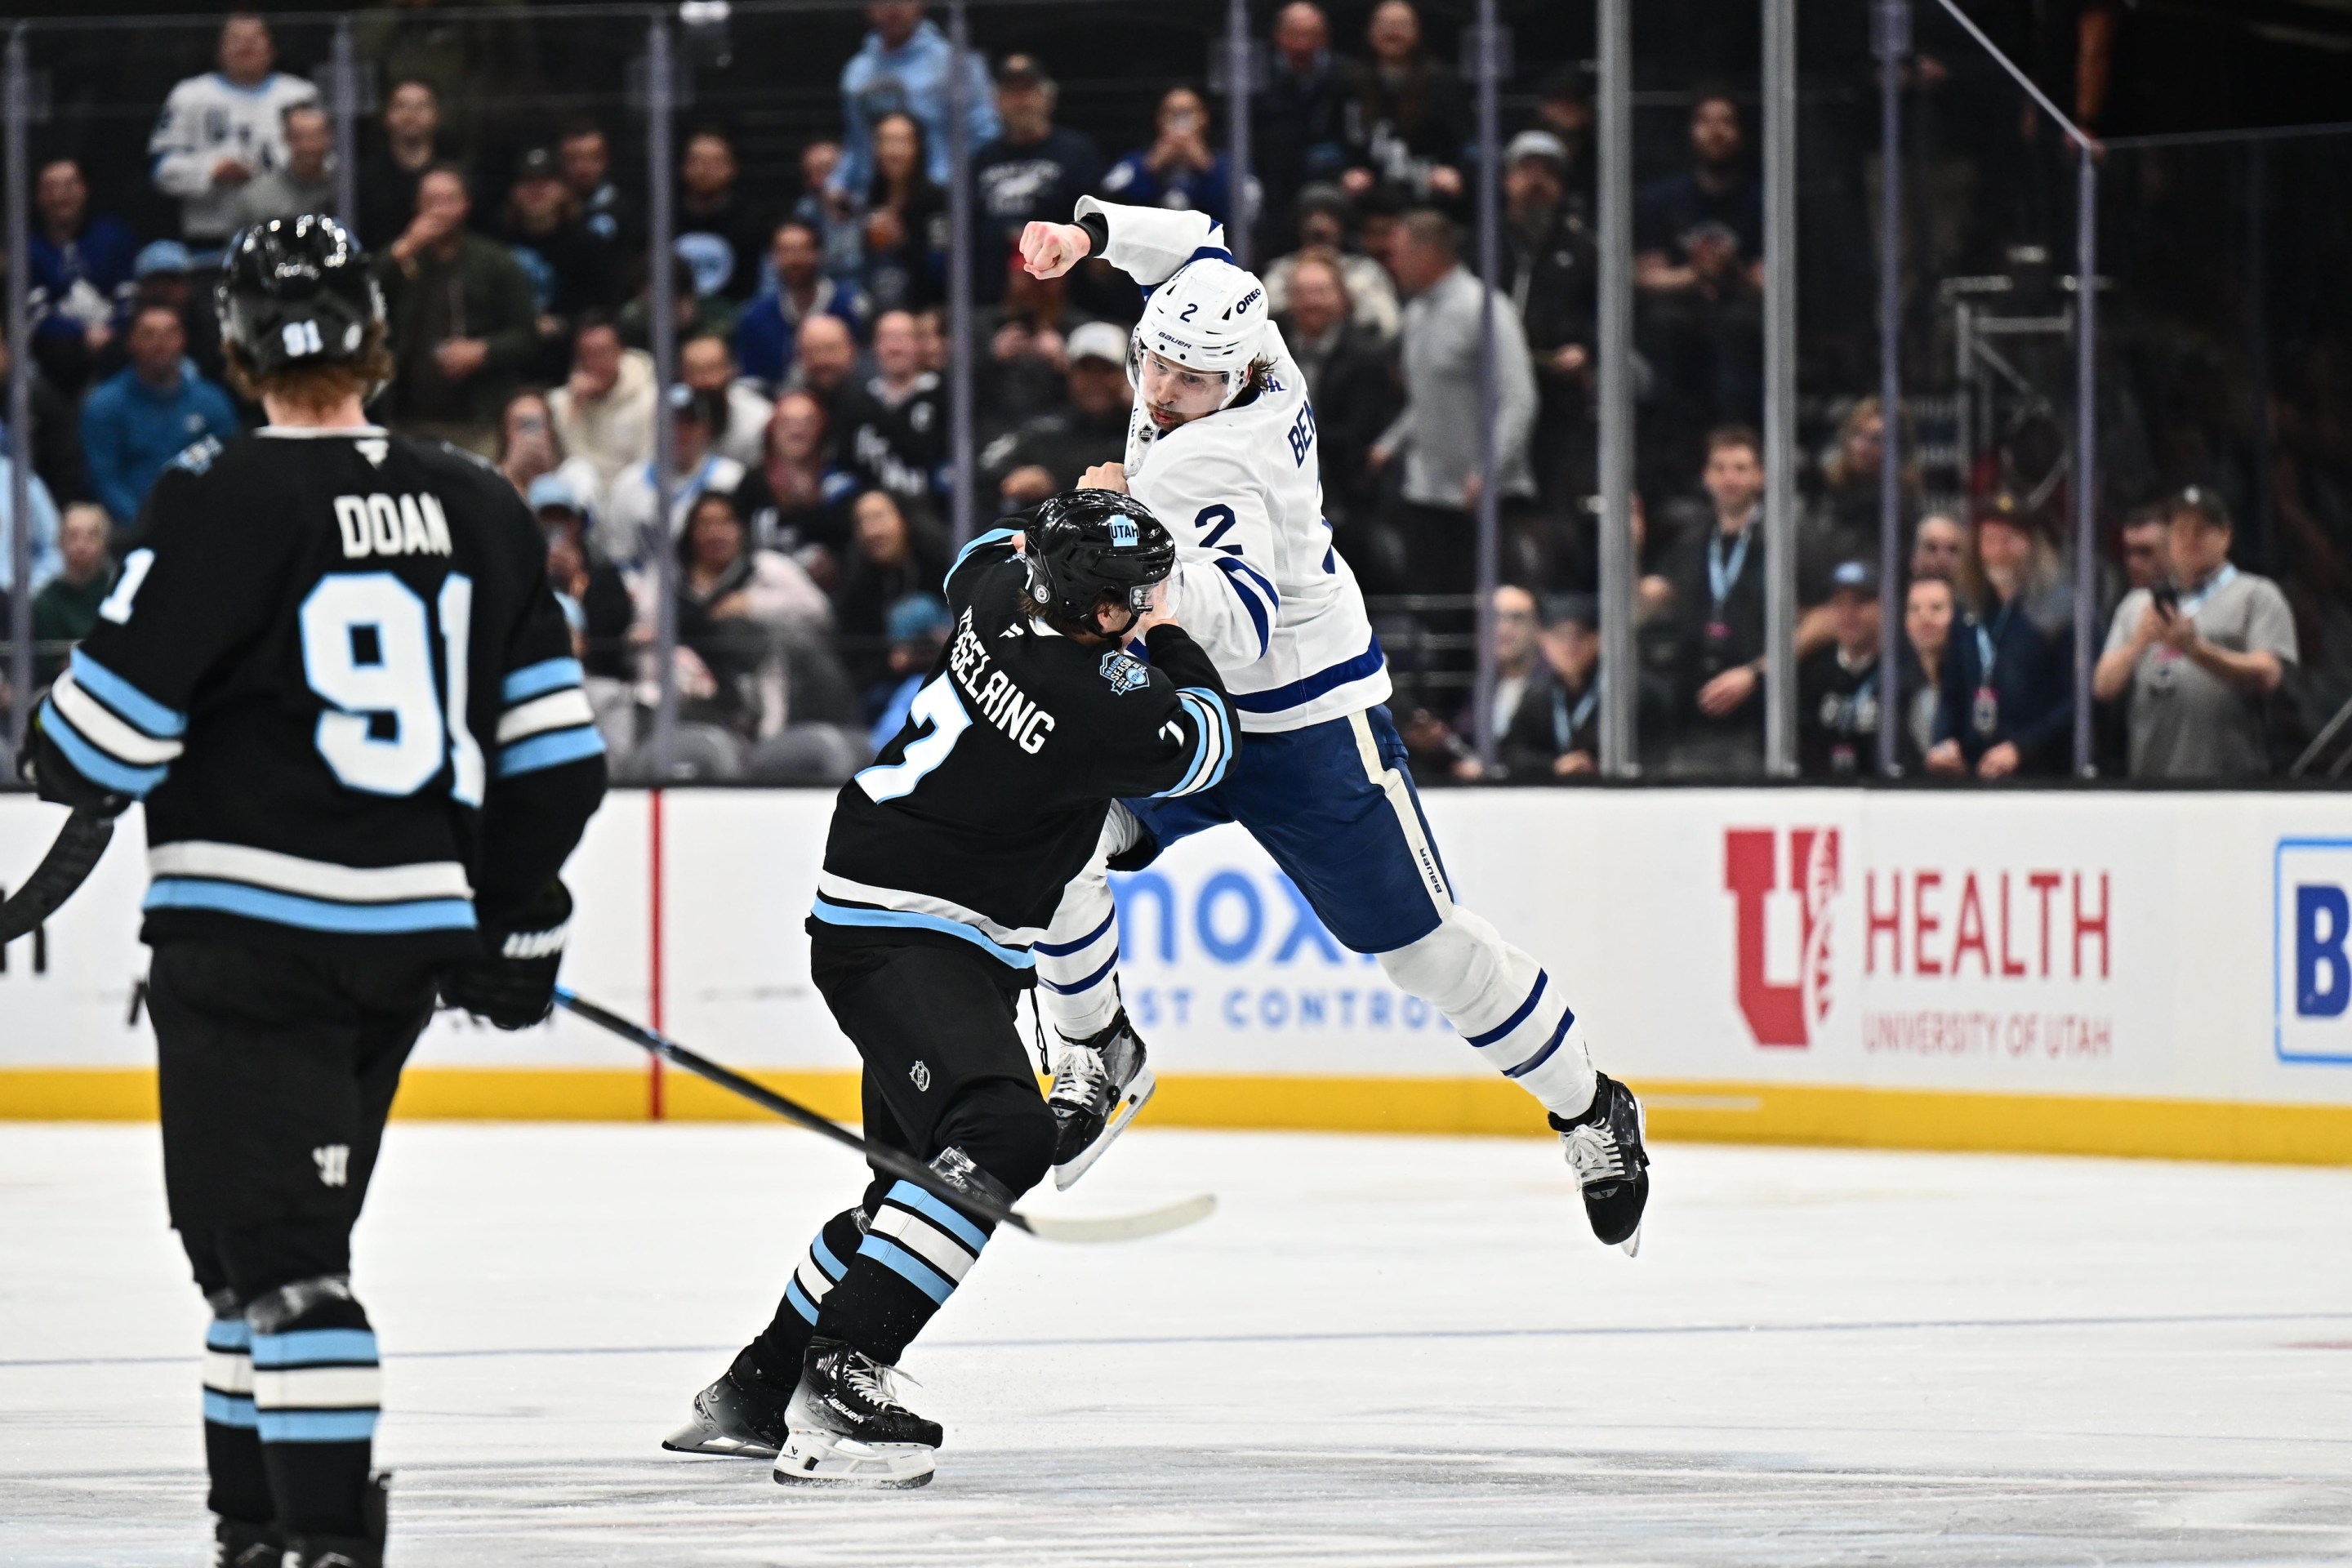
pixel 276 1071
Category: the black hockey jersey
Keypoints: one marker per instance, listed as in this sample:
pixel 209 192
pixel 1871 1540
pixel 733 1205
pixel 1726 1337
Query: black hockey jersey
pixel 334 672
pixel 992 797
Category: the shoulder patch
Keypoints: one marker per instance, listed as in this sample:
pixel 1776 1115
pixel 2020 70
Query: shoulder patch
pixel 1124 672
pixel 197 457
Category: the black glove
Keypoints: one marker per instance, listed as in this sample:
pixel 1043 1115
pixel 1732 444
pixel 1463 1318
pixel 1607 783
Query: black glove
pixel 513 982
pixel 45 766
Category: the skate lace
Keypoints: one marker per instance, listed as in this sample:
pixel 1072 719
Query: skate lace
pixel 1080 1078
pixel 1594 1154
pixel 873 1382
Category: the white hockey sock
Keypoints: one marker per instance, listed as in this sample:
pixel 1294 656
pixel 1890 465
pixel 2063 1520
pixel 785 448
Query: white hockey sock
pixel 1504 1004
pixel 1078 960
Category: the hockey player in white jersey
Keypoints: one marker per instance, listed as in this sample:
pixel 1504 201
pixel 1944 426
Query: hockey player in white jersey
pixel 1221 448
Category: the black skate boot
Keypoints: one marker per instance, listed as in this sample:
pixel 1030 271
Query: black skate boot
pixel 1101 1084
pixel 1604 1149
pixel 346 1551
pixel 848 1428
pixel 743 1414
pixel 239 1545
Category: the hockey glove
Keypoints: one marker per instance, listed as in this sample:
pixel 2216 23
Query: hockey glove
pixel 513 982
pixel 45 766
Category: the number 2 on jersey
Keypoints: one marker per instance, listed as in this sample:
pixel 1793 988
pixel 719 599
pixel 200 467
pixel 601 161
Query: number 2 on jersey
pixel 938 706
pixel 367 649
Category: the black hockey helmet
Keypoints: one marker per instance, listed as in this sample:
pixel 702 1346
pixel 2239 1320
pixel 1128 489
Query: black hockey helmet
pixel 297 291
pixel 1087 546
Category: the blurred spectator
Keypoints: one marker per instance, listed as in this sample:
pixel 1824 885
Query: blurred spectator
pixel 889 558
pixel 739 608
pixel 578 571
pixel 902 69
pixel 691 313
pixel 1518 668
pixel 1551 271
pixel 66 608
pixel 80 267
pixel 1844 522
pixel 718 233
pixel 1719 574
pixel 1928 611
pixel 1028 351
pixel 706 364
pixel 57 430
pixel 529 448
pixel 585 158
pixel 1035 171
pixel 841 237
pixel 896 432
pixel 162 274
pixel 572 268
pixel 905 220
pixel 764 334
pixel 391 169
pixel 1323 228
pixel 2143 547
pixel 141 418
pixel 824 358
pixel 464 321
pixel 1565 112
pixel 1699 241
pixel 304 183
pixel 1407 121
pixel 1300 133
pixel 1179 169
pixel 625 533
pixel 606 411
pixel 1347 380
pixel 2007 676
pixel 918 627
pixel 2201 655
pixel 805 494
pixel 221 128
pixel 1939 547
pixel 47 560
pixel 1841 695
pixel 1046 453
pixel 1555 728
pixel 1440 434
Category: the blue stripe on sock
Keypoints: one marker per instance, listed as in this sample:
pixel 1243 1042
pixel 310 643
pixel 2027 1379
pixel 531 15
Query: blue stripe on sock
pixel 1063 949
pixel 314 1347
pixel 230 1410
pixel 228 1335
pixel 833 1266
pixel 317 1425
pixel 1088 983
pixel 908 1196
pixel 907 1267
pixel 1543 1056
pixel 800 1301
pixel 1515 1019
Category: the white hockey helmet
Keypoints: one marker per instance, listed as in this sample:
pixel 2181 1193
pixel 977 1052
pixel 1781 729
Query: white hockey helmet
pixel 1210 316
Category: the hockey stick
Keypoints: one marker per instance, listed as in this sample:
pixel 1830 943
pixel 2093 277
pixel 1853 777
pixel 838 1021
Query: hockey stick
pixel 71 857
pixel 904 1166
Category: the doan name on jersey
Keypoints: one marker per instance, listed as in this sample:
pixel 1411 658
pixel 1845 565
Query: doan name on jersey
pixel 392 525
pixel 994 695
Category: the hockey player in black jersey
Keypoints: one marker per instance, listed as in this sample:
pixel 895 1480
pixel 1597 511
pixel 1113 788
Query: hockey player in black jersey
pixel 334 673
pixel 944 863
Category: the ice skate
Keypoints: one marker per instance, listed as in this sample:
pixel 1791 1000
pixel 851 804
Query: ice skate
pixel 1604 1148
pixel 346 1551
pixel 739 1415
pixel 237 1544
pixel 1101 1084
pixel 848 1428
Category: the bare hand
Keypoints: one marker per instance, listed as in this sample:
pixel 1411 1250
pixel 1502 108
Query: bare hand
pixel 1050 249
pixel 1945 757
pixel 1105 477
pixel 1568 763
pixel 883 230
pixel 1999 761
pixel 230 172
pixel 2150 628
pixel 1469 770
pixel 735 607
pixel 460 357
pixel 1356 182
pixel 1472 489
pixel 2178 633
pixel 1445 181
pixel 1376 459
pixel 1727 691
pixel 1568 359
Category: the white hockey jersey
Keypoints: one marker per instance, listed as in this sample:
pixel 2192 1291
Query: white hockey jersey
pixel 209 118
pixel 1258 583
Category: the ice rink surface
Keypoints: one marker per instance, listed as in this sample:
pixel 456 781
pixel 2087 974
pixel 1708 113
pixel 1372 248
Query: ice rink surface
pixel 1380 1351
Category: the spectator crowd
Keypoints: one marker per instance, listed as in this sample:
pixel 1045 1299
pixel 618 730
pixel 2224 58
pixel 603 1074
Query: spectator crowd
pixel 809 418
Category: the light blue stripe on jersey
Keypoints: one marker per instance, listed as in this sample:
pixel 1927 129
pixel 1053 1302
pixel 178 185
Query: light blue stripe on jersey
pixel 308 914
pixel 539 680
pixel 852 915
pixel 230 1410
pixel 993 536
pixel 314 1347
pixel 98 767
pixel 799 1302
pixel 940 1213
pixel 317 1425
pixel 1241 577
pixel 1213 750
pixel 1307 689
pixel 161 722
pixel 909 1266
pixel 229 1334
pixel 552 750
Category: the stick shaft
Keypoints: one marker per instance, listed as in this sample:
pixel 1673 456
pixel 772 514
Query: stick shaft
pixel 898 1162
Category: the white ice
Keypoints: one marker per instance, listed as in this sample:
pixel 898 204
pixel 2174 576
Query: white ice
pixel 1380 1351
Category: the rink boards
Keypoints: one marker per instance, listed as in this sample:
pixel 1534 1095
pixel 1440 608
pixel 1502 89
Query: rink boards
pixel 2118 973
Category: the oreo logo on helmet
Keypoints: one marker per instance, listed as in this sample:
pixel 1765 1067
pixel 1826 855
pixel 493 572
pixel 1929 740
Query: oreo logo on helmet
pixel 1247 300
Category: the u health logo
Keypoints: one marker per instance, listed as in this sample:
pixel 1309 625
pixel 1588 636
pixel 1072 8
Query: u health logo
pixel 1802 863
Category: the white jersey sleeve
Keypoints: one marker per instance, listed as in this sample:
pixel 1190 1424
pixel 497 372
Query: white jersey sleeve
pixel 1225 562
pixel 183 157
pixel 1149 244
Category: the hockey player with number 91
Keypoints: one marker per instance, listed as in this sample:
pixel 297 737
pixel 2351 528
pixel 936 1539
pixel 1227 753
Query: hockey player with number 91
pixel 1222 447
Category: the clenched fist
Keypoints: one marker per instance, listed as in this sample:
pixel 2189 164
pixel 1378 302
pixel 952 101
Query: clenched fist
pixel 1050 249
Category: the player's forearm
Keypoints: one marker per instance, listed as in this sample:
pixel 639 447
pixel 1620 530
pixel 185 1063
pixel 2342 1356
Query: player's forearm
pixel 531 823
pixel 1183 660
pixel 2257 674
pixel 1148 244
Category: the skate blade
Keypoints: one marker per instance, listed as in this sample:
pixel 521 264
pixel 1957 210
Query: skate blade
pixel 1139 1091
pixel 817 1458
pixel 1632 1244
pixel 696 1437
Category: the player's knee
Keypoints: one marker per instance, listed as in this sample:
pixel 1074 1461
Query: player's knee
pixel 322 1301
pixel 1005 1129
